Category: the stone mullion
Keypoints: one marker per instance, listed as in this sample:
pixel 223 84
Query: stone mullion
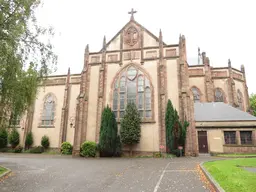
pixel 238 138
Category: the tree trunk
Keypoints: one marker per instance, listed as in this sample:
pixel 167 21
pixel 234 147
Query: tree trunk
pixel 130 147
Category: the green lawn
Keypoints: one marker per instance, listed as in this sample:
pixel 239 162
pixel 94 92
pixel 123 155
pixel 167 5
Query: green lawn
pixel 231 177
pixel 2 170
pixel 237 155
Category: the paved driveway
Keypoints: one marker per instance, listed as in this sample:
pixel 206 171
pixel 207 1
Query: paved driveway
pixel 42 173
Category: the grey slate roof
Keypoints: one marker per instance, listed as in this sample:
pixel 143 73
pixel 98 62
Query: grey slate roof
pixel 218 111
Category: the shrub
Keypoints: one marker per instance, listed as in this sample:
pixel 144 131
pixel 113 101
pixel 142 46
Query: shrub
pixel 130 126
pixel 88 149
pixel 3 138
pixel 18 149
pixel 157 155
pixel 14 138
pixel 45 142
pixel 66 148
pixel 108 133
pixel 29 140
pixel 38 149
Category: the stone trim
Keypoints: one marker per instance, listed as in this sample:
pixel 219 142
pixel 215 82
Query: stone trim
pixel 6 173
pixel 211 180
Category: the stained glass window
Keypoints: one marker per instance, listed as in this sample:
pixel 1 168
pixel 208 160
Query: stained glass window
pixel 134 88
pixel 240 100
pixel 219 97
pixel 48 112
pixel 196 94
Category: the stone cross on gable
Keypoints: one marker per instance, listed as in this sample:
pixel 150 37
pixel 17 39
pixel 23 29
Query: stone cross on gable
pixel 132 12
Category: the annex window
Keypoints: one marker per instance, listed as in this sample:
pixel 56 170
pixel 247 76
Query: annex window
pixel 246 137
pixel 132 86
pixel 219 95
pixel 48 113
pixel 196 94
pixel 230 137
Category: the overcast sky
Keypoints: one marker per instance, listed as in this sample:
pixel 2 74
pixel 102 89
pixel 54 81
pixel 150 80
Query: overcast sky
pixel 222 28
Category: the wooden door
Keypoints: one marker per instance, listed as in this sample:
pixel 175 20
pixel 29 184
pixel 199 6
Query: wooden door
pixel 202 142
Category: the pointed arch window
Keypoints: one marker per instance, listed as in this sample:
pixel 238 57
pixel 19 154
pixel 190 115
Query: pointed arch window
pixel 134 87
pixel 48 113
pixel 219 95
pixel 196 94
pixel 240 100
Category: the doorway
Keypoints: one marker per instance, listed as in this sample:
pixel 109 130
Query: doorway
pixel 202 141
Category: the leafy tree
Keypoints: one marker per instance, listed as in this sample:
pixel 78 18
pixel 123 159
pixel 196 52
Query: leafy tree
pixel 45 142
pixel 3 138
pixel 29 140
pixel 25 57
pixel 14 138
pixel 108 133
pixel 130 131
pixel 253 103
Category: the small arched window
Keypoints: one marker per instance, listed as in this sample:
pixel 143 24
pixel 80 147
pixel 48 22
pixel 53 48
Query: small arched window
pixel 48 114
pixel 196 94
pixel 240 100
pixel 134 87
pixel 219 95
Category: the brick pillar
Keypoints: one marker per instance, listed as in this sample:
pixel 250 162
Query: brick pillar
pixel 82 106
pixel 65 111
pixel 209 85
pixel 162 94
pixel 101 91
pixel 238 139
pixel 246 94
pixel 186 111
pixel 231 87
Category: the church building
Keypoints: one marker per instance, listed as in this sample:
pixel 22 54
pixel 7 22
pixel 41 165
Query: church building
pixel 138 66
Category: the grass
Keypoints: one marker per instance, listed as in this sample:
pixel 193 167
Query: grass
pixel 231 176
pixel 237 155
pixel 2 170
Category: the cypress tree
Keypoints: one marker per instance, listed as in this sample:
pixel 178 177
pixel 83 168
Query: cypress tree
pixel 108 133
pixel 169 124
pixel 130 126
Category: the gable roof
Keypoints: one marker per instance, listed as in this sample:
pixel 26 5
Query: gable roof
pixel 218 111
pixel 136 23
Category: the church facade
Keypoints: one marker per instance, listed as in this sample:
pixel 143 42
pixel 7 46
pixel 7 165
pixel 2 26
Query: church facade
pixel 134 66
